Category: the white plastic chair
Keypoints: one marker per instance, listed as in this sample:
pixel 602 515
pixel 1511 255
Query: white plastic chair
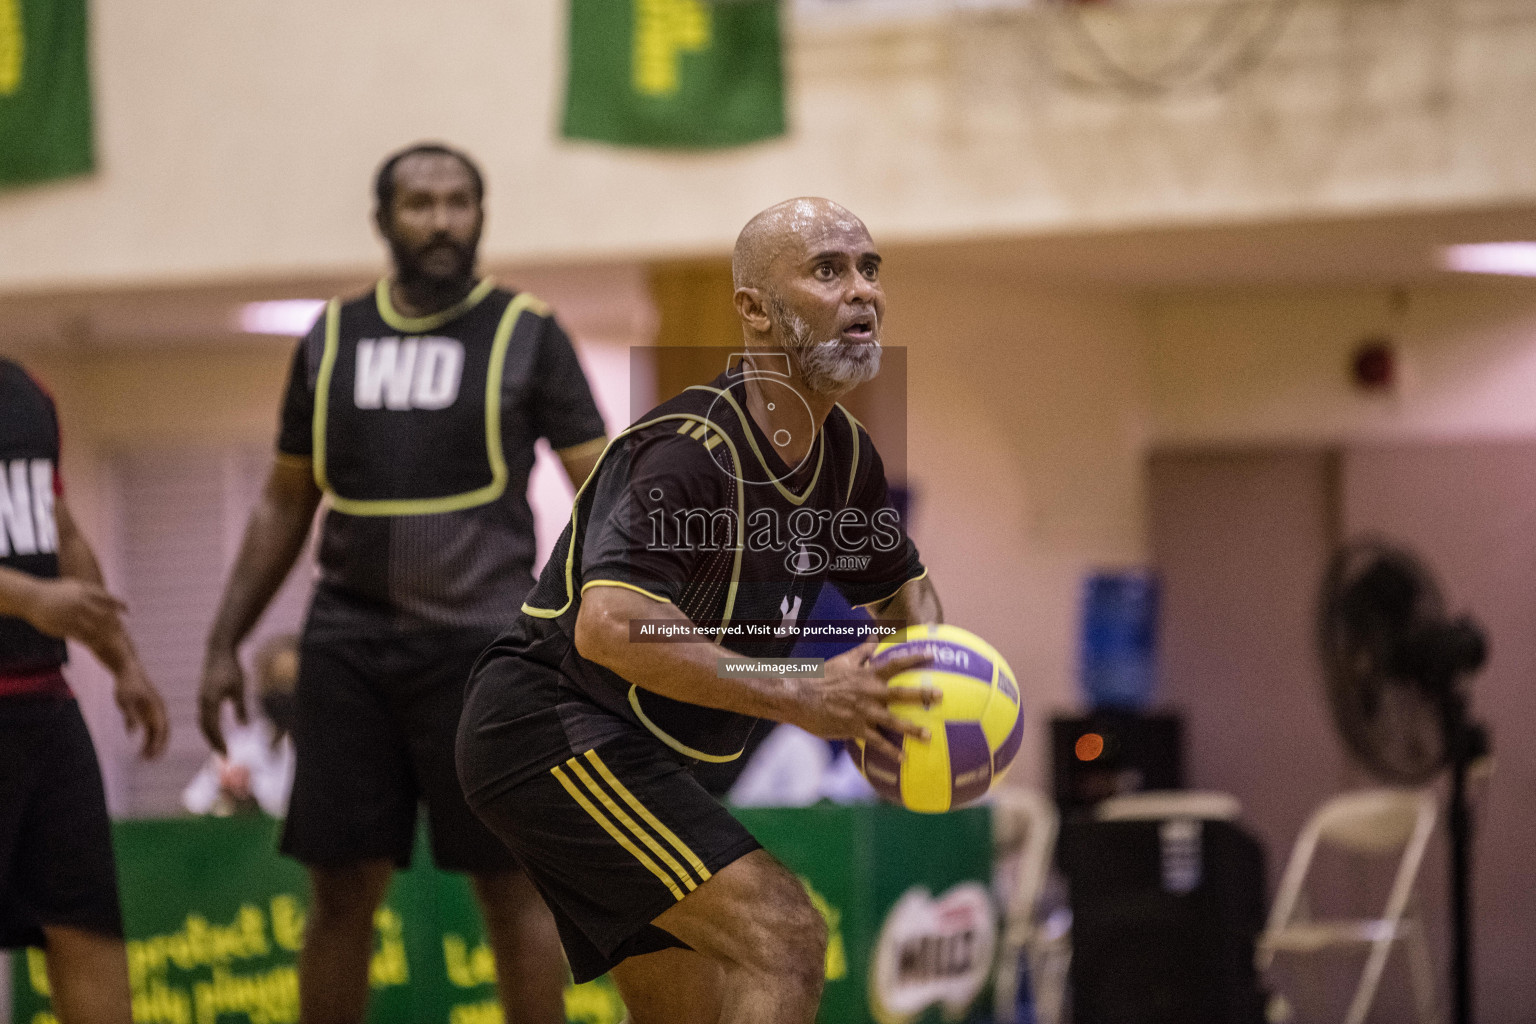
pixel 1374 822
pixel 1044 944
pixel 1169 803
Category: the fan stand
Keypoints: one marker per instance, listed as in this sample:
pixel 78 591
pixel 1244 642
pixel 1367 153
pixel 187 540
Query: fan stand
pixel 1466 741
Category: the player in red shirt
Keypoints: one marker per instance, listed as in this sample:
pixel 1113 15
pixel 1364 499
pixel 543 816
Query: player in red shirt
pixel 58 878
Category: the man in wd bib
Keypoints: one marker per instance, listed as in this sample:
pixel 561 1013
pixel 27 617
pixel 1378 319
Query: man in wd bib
pixel 412 410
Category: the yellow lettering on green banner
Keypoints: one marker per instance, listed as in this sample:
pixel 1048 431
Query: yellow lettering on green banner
pixel 837 951
pixel 159 1003
pixel 13 46
pixel 664 31
pixel 388 966
pixel 287 922
pixel 485 1012
pixel 468 968
pixel 596 1002
pixel 265 997
pixel 37 971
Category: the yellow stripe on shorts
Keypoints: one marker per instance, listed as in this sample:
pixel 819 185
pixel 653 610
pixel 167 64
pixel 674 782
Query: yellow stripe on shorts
pixel 623 819
pixel 650 819
pixel 608 826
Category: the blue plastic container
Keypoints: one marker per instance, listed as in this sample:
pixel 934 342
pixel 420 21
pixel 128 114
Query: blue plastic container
pixel 1119 639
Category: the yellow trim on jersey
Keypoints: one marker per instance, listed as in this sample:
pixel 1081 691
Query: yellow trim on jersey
pixel 618 836
pixel 322 392
pixel 672 741
pixel 432 321
pixel 493 385
pixel 853 468
pixel 650 819
pixel 688 418
pixel 617 812
pixel 887 597
pixel 746 428
pixel 626 586
pixel 290 459
pixel 577 451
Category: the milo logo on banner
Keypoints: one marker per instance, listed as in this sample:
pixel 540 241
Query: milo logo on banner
pixel 933 951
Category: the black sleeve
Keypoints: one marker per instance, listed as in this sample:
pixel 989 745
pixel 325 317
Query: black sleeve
pixel 53 416
pixel 561 402
pixel 295 435
pixel 893 559
pixel 630 537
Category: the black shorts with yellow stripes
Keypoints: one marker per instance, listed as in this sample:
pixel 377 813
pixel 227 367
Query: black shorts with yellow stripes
pixel 612 827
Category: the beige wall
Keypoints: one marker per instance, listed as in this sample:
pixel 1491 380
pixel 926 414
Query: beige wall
pixel 1026 419
pixel 1029 414
pixel 236 140
pixel 1251 365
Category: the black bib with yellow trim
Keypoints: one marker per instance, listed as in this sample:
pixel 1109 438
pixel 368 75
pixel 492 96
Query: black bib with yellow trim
pixel 408 410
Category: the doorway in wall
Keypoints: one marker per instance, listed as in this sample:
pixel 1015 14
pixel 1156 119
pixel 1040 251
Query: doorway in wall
pixel 1241 538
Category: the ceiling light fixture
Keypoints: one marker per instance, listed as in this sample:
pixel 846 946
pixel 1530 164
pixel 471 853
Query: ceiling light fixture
pixel 292 317
pixel 1514 258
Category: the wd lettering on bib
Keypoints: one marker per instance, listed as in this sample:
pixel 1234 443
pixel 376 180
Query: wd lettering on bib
pixel 417 373
pixel 26 508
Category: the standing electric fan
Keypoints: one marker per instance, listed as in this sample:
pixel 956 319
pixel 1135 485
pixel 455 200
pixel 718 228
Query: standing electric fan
pixel 1396 667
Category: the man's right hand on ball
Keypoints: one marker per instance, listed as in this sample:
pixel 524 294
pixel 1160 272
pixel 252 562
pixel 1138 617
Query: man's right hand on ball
pixel 852 700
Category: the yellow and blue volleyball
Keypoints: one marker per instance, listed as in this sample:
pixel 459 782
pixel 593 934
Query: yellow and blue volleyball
pixel 974 731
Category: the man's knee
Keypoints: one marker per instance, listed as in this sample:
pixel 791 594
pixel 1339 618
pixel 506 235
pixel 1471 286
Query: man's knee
pixel 793 943
pixel 754 916
pixel 804 943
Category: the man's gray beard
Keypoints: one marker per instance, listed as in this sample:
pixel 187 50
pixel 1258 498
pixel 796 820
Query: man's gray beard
pixel 828 367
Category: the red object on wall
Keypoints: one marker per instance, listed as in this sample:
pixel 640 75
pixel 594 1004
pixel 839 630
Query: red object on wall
pixel 1374 366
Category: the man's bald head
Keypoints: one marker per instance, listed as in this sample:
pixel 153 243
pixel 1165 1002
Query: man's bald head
pixel 807 280
pixel 790 227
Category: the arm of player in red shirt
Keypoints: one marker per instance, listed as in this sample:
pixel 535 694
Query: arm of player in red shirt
pixel 104 634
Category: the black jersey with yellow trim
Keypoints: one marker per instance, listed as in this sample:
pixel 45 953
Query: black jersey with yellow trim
pixel 692 506
pixel 29 458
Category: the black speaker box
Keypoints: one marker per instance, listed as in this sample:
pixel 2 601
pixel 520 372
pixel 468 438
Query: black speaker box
pixel 1164 919
pixel 1111 752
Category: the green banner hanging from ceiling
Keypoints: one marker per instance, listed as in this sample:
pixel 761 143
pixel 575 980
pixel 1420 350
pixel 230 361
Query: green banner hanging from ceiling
pixel 674 73
pixel 45 92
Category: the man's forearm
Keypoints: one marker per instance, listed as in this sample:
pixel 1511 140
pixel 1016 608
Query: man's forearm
pixel 77 561
pixel 916 602
pixel 685 670
pixel 273 539
pixel 16 592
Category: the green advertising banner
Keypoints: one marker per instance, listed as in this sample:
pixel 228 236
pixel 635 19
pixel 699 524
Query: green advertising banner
pixel 674 73
pixel 215 919
pixel 45 92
